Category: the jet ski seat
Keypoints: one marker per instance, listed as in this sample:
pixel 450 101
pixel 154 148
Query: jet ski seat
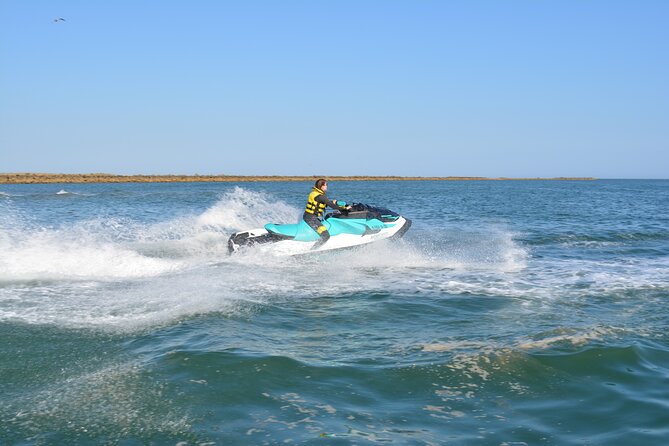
pixel 287 230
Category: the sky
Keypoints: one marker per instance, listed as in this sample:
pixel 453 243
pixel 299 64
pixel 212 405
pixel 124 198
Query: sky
pixel 497 88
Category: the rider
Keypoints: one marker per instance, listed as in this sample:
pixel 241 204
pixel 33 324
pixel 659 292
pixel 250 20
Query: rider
pixel 316 204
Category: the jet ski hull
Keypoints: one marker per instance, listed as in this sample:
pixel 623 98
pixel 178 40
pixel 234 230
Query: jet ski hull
pixel 362 226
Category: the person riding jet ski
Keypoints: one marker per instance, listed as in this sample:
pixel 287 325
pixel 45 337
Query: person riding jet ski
pixel 346 227
pixel 316 203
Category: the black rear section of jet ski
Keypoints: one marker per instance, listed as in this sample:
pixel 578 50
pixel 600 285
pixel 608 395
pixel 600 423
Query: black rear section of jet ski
pixel 249 239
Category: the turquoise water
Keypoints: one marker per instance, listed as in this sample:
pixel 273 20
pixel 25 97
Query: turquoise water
pixel 511 313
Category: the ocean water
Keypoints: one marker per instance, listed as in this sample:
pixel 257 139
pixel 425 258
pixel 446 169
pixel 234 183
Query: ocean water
pixel 511 313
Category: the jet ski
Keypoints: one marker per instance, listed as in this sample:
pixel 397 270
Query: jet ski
pixel 360 225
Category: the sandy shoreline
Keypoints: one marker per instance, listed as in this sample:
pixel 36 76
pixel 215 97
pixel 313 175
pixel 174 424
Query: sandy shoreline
pixel 37 178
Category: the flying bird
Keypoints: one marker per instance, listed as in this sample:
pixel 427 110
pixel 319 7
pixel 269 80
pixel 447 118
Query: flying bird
pixel 59 19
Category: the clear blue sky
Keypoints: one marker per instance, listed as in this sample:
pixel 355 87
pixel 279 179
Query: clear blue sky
pixel 483 88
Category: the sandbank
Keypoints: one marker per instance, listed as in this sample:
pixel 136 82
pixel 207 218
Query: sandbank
pixel 45 178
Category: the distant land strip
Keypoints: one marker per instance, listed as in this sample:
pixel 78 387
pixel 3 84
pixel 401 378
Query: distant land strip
pixel 37 178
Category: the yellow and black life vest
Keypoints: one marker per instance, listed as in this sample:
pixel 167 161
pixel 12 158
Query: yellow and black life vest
pixel 313 206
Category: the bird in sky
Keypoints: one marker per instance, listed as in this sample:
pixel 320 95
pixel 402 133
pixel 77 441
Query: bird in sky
pixel 59 19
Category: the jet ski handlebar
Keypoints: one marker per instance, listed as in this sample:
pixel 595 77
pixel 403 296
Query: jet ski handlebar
pixel 363 211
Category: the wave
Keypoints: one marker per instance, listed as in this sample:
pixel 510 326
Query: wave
pixel 124 274
pixel 64 192
pixel 601 239
pixel 38 194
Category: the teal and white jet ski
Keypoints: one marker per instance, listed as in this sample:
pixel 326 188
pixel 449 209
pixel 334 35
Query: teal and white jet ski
pixel 361 225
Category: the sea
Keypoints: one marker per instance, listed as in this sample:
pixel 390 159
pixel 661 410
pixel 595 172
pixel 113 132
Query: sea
pixel 511 313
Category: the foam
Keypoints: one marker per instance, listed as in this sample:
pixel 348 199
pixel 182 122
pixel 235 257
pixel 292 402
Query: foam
pixel 242 209
pixel 572 337
pixel 571 278
pixel 451 346
pixel 123 275
pixel 114 402
pixel 61 255
pixel 111 249
pixel 121 306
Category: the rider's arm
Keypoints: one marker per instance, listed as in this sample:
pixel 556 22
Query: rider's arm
pixel 324 199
